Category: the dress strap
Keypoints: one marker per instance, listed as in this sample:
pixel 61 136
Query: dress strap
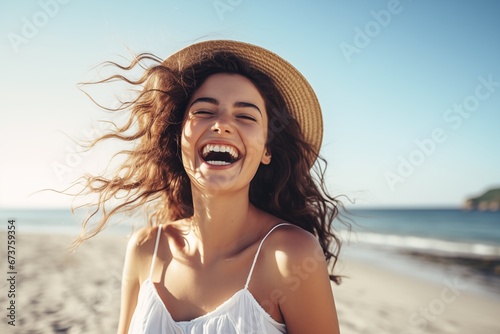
pixel 258 251
pixel 154 253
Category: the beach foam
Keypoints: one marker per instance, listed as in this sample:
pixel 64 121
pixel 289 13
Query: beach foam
pixel 430 245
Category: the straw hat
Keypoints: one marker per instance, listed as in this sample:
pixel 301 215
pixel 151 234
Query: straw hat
pixel 296 91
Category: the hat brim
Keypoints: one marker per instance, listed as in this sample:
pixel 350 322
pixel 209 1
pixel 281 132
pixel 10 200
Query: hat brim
pixel 297 93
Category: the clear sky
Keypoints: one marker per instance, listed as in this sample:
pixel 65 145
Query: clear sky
pixel 410 90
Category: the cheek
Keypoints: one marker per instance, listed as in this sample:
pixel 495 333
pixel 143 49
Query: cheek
pixel 265 127
pixel 256 144
pixel 261 136
pixel 259 142
pixel 187 141
pixel 187 131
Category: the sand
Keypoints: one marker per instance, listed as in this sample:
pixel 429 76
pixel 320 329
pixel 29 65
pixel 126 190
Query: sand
pixel 60 292
pixel 379 300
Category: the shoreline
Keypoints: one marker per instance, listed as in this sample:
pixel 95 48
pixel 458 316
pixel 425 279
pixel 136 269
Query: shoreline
pixel 484 272
pixel 481 274
pixel 375 299
pixel 65 292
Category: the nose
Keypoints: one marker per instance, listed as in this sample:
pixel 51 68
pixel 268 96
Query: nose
pixel 222 125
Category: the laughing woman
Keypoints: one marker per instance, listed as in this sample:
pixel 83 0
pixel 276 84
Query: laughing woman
pixel 239 236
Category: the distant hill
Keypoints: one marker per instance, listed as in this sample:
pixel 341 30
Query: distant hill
pixel 489 201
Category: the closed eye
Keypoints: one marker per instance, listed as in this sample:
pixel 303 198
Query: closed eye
pixel 247 117
pixel 202 112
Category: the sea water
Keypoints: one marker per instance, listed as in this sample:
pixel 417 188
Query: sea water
pixel 56 221
pixel 432 244
pixel 453 231
pixel 380 236
pixel 445 231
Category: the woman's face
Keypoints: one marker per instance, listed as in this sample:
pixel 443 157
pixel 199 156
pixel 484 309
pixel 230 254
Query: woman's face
pixel 224 134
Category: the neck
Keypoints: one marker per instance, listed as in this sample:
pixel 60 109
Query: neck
pixel 221 222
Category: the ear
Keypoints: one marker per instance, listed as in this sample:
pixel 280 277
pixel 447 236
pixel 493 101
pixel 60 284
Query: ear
pixel 266 157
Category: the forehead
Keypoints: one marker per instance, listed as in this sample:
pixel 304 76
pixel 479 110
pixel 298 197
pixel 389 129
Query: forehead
pixel 231 87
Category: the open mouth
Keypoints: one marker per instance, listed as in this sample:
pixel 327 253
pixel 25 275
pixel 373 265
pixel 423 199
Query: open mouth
pixel 219 155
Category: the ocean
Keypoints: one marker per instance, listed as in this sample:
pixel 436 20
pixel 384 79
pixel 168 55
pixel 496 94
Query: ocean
pixel 52 221
pixel 440 231
pixel 444 231
pixel 434 244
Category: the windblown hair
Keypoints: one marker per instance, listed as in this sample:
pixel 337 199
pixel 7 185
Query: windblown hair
pixel 153 175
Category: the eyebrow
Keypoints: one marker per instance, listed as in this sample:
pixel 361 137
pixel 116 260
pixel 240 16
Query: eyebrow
pixel 238 104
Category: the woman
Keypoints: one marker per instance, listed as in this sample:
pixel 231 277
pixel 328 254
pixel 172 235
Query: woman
pixel 239 231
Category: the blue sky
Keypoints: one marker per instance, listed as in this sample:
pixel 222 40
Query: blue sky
pixel 410 90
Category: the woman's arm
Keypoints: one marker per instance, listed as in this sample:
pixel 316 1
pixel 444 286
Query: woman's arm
pixel 307 305
pixel 130 284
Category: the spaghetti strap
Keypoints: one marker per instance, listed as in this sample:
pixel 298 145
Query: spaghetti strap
pixel 155 251
pixel 258 251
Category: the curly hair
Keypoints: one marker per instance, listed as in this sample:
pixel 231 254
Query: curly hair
pixel 291 188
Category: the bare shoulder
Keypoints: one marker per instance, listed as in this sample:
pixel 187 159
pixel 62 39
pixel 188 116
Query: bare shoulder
pixel 142 239
pixel 291 244
pixel 301 283
pixel 134 272
pixel 140 249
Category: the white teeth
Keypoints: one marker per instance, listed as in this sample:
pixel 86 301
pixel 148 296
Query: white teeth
pixel 233 153
pixel 220 148
pixel 215 162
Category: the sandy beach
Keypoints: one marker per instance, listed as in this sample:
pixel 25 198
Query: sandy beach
pixel 61 292
pixel 374 299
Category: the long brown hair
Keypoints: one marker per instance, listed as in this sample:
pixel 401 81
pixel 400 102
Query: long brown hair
pixel 152 177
